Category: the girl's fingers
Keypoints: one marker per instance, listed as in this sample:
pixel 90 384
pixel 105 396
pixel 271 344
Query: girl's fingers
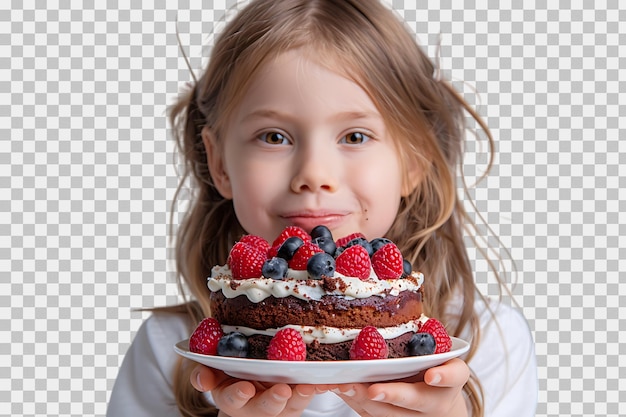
pixel 301 396
pixel 453 373
pixel 354 395
pixel 234 396
pixel 238 397
pixel 441 389
pixel 270 402
pixel 206 379
pixel 442 384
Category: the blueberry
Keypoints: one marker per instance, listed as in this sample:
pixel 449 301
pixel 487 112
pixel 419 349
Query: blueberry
pixel 422 344
pixel 319 265
pixel 361 241
pixel 289 247
pixel 327 244
pixel 233 344
pixel 407 268
pixel 379 242
pixel 275 268
pixel 321 231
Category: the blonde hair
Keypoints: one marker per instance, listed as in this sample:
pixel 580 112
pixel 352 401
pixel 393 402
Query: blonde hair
pixel 366 42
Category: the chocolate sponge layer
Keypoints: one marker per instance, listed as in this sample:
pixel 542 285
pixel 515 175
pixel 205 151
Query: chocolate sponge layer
pixel 330 311
pixel 328 352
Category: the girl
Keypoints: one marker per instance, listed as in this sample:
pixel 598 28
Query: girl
pixel 327 112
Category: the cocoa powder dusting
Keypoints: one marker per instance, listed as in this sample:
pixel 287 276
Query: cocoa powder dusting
pixel 331 284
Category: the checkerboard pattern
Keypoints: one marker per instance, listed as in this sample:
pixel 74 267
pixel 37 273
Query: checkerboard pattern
pixel 87 178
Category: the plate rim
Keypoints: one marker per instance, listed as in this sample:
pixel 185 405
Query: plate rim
pixel 182 348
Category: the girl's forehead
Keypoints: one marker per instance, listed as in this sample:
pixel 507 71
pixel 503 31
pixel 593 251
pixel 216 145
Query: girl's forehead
pixel 300 74
pixel 323 58
pixel 314 60
pixel 310 60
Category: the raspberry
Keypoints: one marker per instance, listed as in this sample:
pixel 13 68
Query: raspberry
pixel 246 261
pixel 256 241
pixel 369 344
pixel 343 240
pixel 272 252
pixel 302 256
pixel 291 231
pixel 354 262
pixel 205 338
pixel 387 262
pixel 436 329
pixel 360 241
pixel 287 345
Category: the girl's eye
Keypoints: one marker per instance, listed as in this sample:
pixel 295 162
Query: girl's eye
pixel 274 138
pixel 354 138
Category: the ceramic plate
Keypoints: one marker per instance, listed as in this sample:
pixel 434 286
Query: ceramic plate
pixel 323 372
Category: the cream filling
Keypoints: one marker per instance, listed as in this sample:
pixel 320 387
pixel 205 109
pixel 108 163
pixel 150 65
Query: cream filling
pixel 297 285
pixel 327 334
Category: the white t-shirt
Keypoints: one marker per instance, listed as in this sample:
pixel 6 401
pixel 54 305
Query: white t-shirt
pixel 505 364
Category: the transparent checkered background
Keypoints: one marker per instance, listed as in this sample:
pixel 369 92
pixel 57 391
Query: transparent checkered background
pixel 87 178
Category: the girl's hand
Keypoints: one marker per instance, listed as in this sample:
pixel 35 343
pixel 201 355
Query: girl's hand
pixel 235 397
pixel 439 394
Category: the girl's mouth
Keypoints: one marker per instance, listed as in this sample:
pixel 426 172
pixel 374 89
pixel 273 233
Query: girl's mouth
pixel 308 220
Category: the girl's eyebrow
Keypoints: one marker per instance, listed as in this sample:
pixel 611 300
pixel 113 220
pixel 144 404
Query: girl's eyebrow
pixel 265 114
pixel 337 117
pixel 356 115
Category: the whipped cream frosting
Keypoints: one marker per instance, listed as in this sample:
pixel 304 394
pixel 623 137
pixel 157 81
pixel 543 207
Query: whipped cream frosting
pixel 297 285
pixel 326 334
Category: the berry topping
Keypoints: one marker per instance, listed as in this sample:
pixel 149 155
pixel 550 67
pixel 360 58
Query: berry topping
pixel 369 344
pixel 439 333
pixel 289 247
pixel 275 268
pixel 205 337
pixel 387 262
pixel 407 268
pixel 320 264
pixel 362 242
pixel 272 252
pixel 354 262
pixel 422 344
pixel 302 256
pixel 287 345
pixel 256 241
pixel 291 231
pixel 233 344
pixel 246 261
pixel 327 244
pixel 379 242
pixel 321 231
pixel 342 241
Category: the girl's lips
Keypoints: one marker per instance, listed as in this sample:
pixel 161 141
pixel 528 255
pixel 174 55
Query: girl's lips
pixel 308 221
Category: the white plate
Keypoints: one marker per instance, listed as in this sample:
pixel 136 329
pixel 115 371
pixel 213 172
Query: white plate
pixel 323 372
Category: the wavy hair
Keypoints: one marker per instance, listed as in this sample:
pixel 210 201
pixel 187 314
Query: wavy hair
pixel 367 43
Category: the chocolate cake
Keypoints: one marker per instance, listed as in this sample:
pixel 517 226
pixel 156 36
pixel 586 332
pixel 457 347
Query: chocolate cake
pixel 350 285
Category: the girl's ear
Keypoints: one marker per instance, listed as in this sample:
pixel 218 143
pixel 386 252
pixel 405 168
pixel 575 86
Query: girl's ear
pixel 215 161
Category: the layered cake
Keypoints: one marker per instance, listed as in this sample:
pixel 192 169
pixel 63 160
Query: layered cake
pixel 309 297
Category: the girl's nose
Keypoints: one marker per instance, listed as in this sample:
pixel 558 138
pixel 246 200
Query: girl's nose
pixel 316 170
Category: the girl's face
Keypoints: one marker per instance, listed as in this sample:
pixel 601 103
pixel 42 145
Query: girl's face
pixel 306 147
